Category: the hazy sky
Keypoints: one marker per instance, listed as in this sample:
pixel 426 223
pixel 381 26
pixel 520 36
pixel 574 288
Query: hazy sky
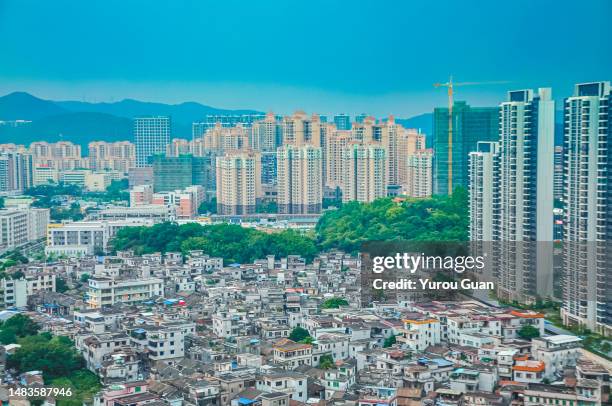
pixel 378 57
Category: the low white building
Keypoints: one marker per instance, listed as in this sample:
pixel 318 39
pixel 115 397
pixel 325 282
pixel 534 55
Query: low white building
pixel 289 382
pixel 340 378
pixel 15 292
pixel 104 292
pixel 418 334
pixel 557 352
pixel 290 355
pixel 81 238
pixel 20 225
pixel 165 342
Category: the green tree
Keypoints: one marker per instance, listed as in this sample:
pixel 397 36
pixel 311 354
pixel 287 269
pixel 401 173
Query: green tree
pixel 84 385
pixel 439 218
pixel 606 347
pixel 307 340
pixel 389 341
pixel 117 190
pixel 55 356
pixel 8 263
pixel 334 303
pixel 208 207
pixel 73 213
pixel 8 336
pixel 85 277
pixel 298 334
pixel 326 361
pixel 528 332
pixel 231 242
pixel 60 285
pixel 21 326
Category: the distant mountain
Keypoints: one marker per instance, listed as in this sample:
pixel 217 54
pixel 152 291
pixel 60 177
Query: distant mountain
pixel 24 106
pixel 83 122
pixel 80 128
pixel 183 113
pixel 423 122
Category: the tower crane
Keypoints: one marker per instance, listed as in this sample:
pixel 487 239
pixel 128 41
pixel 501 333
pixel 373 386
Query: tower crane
pixel 450 85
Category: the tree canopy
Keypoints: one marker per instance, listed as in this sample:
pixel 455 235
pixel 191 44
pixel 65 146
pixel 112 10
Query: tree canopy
pixel 231 242
pixel 334 303
pixel 55 356
pixel 326 361
pixel 298 334
pixel 15 327
pixel 440 218
pixel 389 341
pixel 528 332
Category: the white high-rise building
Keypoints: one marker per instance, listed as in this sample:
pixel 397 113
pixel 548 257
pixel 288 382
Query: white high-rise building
pixel 587 297
pixel 335 144
pixel 300 184
pixel 483 193
pixel 151 136
pixel 418 178
pixel 266 138
pixel 364 168
pixel 526 173
pixel 16 172
pixel 399 143
pixel 238 182
pixel 511 196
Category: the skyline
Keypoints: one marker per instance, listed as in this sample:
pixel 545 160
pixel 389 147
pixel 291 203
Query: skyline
pixel 268 59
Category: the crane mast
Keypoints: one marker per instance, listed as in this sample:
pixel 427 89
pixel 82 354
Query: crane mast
pixel 450 85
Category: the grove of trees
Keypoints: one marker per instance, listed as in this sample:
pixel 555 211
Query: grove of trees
pixel 440 218
pixel 231 242
pixel 55 356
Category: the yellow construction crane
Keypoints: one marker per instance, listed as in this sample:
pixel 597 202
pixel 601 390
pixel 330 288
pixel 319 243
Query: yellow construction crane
pixel 450 85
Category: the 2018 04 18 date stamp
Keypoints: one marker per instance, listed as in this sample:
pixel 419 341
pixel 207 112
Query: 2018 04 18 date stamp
pixel 41 392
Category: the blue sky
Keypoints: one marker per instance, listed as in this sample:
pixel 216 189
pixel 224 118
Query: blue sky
pixel 379 57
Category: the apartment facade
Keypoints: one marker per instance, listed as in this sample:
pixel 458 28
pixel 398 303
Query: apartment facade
pixel 300 184
pixel 105 292
pixel 238 182
pixel 417 180
pixel 364 172
pixel 511 196
pixel 587 299
pixel 526 171
pixel 483 193
pixel 116 156
pixel 151 135
pixel 16 172
pixel 18 226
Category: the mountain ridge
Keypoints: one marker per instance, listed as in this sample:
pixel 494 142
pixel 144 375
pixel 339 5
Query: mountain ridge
pixel 83 122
